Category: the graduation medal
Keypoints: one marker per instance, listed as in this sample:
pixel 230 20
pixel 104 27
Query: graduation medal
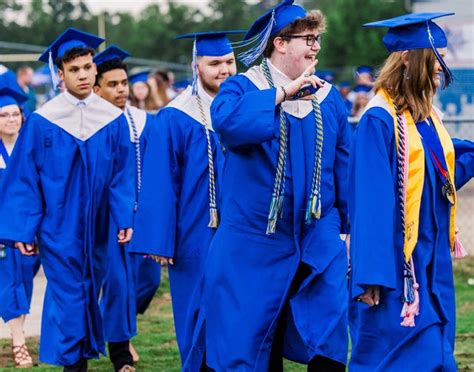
pixel 448 192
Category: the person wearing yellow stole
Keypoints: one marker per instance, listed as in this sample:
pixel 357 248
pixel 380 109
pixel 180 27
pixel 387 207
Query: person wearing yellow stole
pixel 404 173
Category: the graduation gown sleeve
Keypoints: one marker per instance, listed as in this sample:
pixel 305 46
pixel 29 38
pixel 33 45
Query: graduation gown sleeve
pixel 156 219
pixel 122 185
pixel 21 205
pixel 464 169
pixel 243 117
pixel 372 206
pixel 341 164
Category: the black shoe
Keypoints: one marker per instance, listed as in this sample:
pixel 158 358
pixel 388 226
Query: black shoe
pixel 120 356
pixel 80 366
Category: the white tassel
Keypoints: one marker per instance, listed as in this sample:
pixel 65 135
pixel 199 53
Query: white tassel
pixel 55 80
pixel 248 57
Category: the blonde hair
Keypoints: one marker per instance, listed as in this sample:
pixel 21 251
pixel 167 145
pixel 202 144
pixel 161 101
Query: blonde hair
pixel 411 87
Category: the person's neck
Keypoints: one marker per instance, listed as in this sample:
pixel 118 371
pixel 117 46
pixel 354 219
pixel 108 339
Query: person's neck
pixel 283 66
pixel 9 140
pixel 208 92
pixel 80 97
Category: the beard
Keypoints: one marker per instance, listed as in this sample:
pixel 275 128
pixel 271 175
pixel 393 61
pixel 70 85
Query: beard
pixel 210 85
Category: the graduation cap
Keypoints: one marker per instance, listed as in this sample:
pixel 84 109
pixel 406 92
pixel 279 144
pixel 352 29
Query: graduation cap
pixel 112 53
pixel 269 24
pixel 416 31
pixel 69 39
pixel 344 84
pixel 364 70
pixel 327 75
pixel 212 44
pixel 10 94
pixel 139 77
pixel 361 88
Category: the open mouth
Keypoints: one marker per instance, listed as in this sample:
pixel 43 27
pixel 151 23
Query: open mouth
pixel 311 57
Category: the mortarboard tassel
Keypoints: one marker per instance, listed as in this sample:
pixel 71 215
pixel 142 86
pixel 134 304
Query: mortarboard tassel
pixel 447 74
pixel 195 74
pixel 249 56
pixel 56 81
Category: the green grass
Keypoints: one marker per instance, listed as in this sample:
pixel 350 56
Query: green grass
pixel 157 345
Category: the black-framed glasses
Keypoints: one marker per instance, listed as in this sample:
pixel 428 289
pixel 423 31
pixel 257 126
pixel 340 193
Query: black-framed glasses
pixel 310 39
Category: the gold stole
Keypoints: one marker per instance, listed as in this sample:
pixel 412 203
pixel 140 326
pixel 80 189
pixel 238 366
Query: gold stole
pixel 416 174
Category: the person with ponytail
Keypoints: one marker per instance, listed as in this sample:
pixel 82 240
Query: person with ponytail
pixel 403 176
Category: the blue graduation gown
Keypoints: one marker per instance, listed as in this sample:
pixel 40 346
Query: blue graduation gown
pixel 248 273
pixel 67 160
pixel 379 342
pixel 173 214
pixel 16 276
pixel 130 281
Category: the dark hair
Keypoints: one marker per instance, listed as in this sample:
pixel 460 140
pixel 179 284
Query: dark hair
pixel 72 54
pixel 115 64
pixel 313 20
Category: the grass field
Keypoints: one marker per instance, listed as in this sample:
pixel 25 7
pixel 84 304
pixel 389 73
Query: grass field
pixel 158 351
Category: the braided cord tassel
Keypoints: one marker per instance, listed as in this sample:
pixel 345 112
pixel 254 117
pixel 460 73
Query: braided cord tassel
pixel 138 156
pixel 213 215
pixel 314 203
pixel 411 298
pixel 276 205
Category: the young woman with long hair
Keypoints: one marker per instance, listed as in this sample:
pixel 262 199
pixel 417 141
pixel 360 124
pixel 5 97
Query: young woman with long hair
pixel 404 173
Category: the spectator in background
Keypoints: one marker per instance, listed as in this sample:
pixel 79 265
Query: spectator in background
pixel 365 76
pixel 362 95
pixel 24 77
pixel 140 94
pixel 159 85
pixel 172 93
pixel 345 90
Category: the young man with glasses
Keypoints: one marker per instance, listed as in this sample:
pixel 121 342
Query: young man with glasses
pixel 276 271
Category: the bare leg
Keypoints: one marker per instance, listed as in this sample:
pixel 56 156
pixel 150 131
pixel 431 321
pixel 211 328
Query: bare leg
pixel 16 329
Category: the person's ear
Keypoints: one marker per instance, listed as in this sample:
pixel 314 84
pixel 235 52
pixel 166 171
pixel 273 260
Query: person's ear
pixel 280 44
pixel 405 57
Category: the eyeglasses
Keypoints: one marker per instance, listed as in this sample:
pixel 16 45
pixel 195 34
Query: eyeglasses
pixel 15 115
pixel 310 39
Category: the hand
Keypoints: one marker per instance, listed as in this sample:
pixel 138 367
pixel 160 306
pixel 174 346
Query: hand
pixel 26 249
pixel 371 296
pixel 163 261
pixel 306 78
pixel 125 235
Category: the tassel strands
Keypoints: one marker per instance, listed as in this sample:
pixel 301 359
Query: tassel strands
pixel 411 297
pixel 213 213
pixel 314 204
pixel 276 205
pixel 138 157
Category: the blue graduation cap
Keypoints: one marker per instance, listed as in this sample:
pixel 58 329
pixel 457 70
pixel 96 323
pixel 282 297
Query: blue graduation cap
pixel 344 84
pixel 327 75
pixel 69 39
pixel 139 77
pixel 10 94
pixel 416 31
pixel 113 52
pixel 364 70
pixel 269 24
pixel 361 88
pixel 211 43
